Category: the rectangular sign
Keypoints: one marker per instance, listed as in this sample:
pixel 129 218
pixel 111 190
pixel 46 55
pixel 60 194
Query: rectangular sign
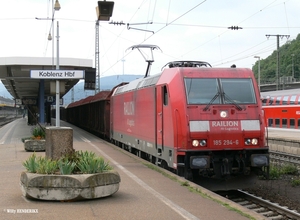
pixel 57 74
pixel 29 101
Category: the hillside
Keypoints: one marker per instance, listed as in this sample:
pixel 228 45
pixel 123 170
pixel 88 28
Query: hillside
pixel 289 65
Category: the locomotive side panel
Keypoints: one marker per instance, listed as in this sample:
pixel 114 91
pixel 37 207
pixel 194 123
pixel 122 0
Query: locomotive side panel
pixel 133 119
pixel 173 116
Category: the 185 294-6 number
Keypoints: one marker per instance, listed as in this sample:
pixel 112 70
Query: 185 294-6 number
pixel 225 142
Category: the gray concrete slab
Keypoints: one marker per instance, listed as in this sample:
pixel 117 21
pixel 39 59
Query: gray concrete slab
pixel 291 135
pixel 143 194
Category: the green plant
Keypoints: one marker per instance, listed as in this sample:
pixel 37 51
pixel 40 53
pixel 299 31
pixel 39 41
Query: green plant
pixel 275 172
pixel 38 132
pixel 289 169
pixel 31 164
pixel 74 163
pixel 89 163
pixel 46 166
pixel 296 182
pixel 66 167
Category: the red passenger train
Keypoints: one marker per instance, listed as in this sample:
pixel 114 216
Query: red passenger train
pixel 192 119
pixel 282 111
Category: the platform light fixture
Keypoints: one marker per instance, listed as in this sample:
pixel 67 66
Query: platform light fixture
pixel 104 10
pixel 56 5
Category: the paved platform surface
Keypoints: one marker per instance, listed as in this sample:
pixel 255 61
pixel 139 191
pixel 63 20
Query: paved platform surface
pixel 143 194
pixel 284 133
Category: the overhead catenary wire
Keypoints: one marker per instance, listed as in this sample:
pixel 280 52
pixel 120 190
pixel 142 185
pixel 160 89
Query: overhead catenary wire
pixel 161 29
pixel 267 7
pixel 120 36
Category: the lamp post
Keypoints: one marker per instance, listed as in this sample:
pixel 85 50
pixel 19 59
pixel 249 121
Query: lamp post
pixel 104 11
pixel 57 91
pixel 57 116
pixel 56 7
pixel 258 57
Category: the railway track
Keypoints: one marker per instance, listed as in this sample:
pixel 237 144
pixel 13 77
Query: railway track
pixel 264 207
pixel 281 158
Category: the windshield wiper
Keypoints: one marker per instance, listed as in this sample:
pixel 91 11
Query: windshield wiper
pixel 211 101
pixel 226 97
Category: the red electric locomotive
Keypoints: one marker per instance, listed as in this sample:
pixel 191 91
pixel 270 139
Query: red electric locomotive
pixel 193 119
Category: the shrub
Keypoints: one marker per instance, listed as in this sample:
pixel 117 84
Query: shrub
pixel 38 132
pixel 31 164
pixel 66 167
pixel 46 166
pixel 289 169
pixel 89 163
pixel 295 182
pixel 275 172
pixel 75 163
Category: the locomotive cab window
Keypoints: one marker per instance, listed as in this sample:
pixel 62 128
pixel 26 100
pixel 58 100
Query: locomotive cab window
pixel 219 91
pixel 238 90
pixel 201 91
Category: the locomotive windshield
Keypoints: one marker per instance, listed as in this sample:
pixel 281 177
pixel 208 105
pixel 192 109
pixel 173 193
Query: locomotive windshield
pixel 219 91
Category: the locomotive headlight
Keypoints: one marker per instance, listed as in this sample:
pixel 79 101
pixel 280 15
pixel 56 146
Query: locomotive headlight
pixel 248 141
pixel 223 114
pixel 254 141
pixel 203 143
pixel 195 143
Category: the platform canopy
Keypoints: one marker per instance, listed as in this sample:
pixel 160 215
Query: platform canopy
pixel 15 74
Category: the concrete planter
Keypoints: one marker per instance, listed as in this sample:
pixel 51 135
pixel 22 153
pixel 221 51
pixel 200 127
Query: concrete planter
pixel 69 187
pixel 35 145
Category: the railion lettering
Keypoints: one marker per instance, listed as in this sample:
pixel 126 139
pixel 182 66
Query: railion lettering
pixel 225 124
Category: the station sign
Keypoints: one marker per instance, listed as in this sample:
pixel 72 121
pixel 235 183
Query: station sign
pixel 29 101
pixel 18 101
pixel 52 100
pixel 57 74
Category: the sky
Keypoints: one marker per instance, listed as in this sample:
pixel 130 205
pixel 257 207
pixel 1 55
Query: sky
pixel 183 30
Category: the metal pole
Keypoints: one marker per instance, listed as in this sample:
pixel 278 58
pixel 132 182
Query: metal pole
pixel 258 71
pixel 293 70
pixel 98 57
pixel 57 81
pixel 277 71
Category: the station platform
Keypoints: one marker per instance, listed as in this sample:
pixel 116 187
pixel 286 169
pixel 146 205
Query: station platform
pixel 284 134
pixel 144 193
pixel 284 140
